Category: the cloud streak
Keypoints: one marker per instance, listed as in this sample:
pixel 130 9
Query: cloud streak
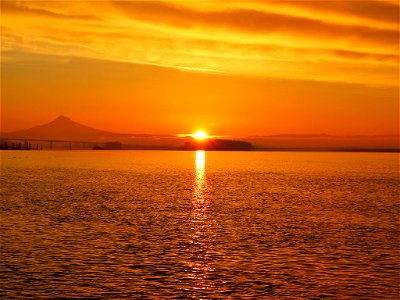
pixel 371 10
pixel 12 8
pixel 253 21
pixel 251 39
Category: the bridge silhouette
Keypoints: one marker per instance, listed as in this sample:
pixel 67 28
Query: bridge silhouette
pixel 43 144
pixel 48 144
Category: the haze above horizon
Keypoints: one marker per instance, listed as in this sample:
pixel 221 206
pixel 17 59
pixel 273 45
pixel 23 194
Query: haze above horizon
pixel 241 68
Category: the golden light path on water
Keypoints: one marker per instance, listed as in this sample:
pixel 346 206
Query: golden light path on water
pixel 200 183
pixel 202 235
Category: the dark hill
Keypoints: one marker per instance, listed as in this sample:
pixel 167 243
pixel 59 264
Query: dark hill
pixel 63 128
pixel 217 145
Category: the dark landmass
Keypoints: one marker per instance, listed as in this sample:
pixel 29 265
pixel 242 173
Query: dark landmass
pixel 217 145
pixel 62 128
pixel 389 150
pixel 319 142
pixel 109 146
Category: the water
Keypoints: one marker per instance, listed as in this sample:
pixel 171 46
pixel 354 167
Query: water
pixel 200 225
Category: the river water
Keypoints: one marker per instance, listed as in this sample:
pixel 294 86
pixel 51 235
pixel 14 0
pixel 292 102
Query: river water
pixel 199 225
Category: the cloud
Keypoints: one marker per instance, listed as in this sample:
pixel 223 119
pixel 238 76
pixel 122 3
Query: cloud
pixel 254 21
pixel 10 7
pixel 380 11
pixel 242 38
pixel 354 55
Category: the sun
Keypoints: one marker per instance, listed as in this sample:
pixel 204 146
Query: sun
pixel 200 135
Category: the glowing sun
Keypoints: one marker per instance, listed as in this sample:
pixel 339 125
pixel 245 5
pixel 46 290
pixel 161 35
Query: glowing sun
pixel 200 135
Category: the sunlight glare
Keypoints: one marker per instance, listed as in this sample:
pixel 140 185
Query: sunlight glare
pixel 200 164
pixel 200 185
pixel 200 135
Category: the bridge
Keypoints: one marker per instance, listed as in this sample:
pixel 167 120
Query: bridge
pixel 46 144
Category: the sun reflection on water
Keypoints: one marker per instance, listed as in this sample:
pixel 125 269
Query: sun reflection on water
pixel 200 184
pixel 199 266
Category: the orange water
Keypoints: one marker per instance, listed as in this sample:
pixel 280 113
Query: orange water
pixel 201 225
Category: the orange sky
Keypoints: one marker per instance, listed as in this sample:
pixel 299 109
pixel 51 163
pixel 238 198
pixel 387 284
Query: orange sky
pixel 231 67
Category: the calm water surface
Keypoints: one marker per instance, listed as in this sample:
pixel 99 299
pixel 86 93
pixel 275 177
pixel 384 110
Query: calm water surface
pixel 201 225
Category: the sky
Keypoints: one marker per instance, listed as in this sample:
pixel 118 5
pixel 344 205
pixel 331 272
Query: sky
pixel 235 68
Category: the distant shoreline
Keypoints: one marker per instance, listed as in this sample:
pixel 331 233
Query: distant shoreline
pixel 224 145
pixel 254 150
pixel 66 134
pixel 329 150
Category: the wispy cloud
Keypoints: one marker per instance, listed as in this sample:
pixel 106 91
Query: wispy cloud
pixel 254 21
pixel 383 12
pixel 348 41
pixel 19 8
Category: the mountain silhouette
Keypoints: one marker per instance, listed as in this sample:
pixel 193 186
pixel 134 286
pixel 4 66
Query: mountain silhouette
pixel 63 128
